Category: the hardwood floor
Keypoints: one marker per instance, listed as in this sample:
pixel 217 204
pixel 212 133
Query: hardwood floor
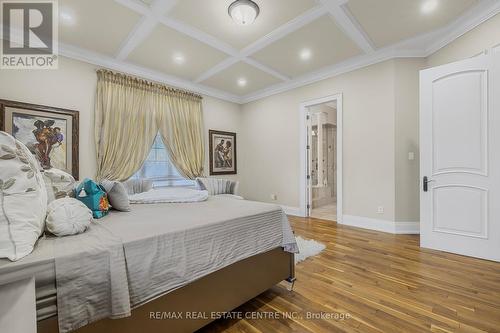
pixel 380 283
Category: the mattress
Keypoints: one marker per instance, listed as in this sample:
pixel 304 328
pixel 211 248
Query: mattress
pixel 217 226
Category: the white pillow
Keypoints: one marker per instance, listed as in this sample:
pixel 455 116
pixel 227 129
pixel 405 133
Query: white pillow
pixel 67 216
pixel 23 199
pixel 117 195
pixel 59 184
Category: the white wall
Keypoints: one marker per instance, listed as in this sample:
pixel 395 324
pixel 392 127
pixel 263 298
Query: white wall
pixel 73 86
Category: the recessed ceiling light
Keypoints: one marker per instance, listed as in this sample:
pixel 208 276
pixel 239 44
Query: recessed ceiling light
pixel 305 54
pixel 242 82
pixel 66 17
pixel 179 59
pixel 243 12
pixel 429 6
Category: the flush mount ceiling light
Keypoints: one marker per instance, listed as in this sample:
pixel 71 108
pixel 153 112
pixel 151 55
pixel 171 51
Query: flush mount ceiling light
pixel 244 12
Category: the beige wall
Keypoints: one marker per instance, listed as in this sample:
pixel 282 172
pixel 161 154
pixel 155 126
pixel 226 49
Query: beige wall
pixel 270 140
pixel 406 132
pixel 73 85
pixel 483 37
pixel 223 116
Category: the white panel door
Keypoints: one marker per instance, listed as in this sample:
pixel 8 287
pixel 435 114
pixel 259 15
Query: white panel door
pixel 460 157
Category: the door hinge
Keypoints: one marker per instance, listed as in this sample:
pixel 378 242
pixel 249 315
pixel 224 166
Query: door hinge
pixel 308 147
pixel 308 117
pixel 308 176
pixel 308 206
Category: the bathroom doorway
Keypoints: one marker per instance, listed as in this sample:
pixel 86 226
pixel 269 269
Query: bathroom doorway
pixel 322 165
pixel 323 160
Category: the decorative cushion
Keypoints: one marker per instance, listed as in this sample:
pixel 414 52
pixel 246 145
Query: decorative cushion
pixel 216 186
pixel 134 186
pixel 23 199
pixel 94 197
pixel 117 195
pixel 67 216
pixel 58 183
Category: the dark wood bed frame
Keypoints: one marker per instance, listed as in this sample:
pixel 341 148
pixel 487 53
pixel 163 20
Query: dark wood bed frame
pixel 221 291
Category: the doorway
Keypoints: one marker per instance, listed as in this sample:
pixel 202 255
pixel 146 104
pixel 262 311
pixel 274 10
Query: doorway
pixel 321 152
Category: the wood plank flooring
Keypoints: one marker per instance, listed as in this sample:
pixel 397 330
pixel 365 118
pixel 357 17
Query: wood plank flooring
pixel 380 283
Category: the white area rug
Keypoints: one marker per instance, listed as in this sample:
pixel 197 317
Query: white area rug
pixel 307 248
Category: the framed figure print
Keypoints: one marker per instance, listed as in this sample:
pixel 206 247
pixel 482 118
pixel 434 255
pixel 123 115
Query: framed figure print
pixel 222 146
pixel 51 134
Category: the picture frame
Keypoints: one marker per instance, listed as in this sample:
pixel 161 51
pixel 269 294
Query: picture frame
pixel 222 152
pixel 50 133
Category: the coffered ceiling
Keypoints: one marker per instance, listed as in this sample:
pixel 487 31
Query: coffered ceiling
pixel 195 45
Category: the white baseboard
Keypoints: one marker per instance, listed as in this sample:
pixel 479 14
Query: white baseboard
pixel 381 225
pixel 295 211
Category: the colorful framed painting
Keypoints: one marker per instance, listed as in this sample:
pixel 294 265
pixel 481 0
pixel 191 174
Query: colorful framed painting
pixel 222 146
pixel 51 134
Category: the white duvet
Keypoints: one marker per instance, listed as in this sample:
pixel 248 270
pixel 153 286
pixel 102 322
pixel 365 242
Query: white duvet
pixel 169 195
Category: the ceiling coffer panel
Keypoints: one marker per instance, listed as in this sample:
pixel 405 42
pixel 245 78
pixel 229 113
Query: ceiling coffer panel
pixel 316 45
pixel 174 53
pixel 391 21
pixel 97 25
pixel 241 79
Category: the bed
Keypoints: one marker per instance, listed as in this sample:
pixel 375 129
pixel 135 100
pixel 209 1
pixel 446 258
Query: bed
pixel 198 258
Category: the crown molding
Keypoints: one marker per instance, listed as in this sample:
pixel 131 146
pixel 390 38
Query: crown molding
pixel 73 52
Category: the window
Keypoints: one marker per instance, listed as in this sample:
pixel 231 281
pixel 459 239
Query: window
pixel 160 169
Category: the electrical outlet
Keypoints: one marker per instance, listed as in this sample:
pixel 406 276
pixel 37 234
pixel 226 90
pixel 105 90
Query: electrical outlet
pixel 411 156
pixel 380 210
pixel 274 197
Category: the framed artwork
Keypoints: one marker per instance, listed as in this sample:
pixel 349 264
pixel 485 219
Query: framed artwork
pixel 222 146
pixel 51 134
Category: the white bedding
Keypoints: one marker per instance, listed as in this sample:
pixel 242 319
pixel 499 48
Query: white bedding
pixel 163 247
pixel 169 195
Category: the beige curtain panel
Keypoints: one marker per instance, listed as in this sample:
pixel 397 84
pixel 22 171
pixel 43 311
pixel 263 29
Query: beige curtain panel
pixel 129 112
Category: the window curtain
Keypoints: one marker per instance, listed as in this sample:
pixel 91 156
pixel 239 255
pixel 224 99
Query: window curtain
pixel 181 128
pixel 129 112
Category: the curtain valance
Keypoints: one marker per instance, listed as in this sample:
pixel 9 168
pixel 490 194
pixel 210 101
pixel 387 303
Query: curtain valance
pixel 138 83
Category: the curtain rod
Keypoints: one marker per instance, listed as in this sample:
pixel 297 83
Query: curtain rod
pixel 119 75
